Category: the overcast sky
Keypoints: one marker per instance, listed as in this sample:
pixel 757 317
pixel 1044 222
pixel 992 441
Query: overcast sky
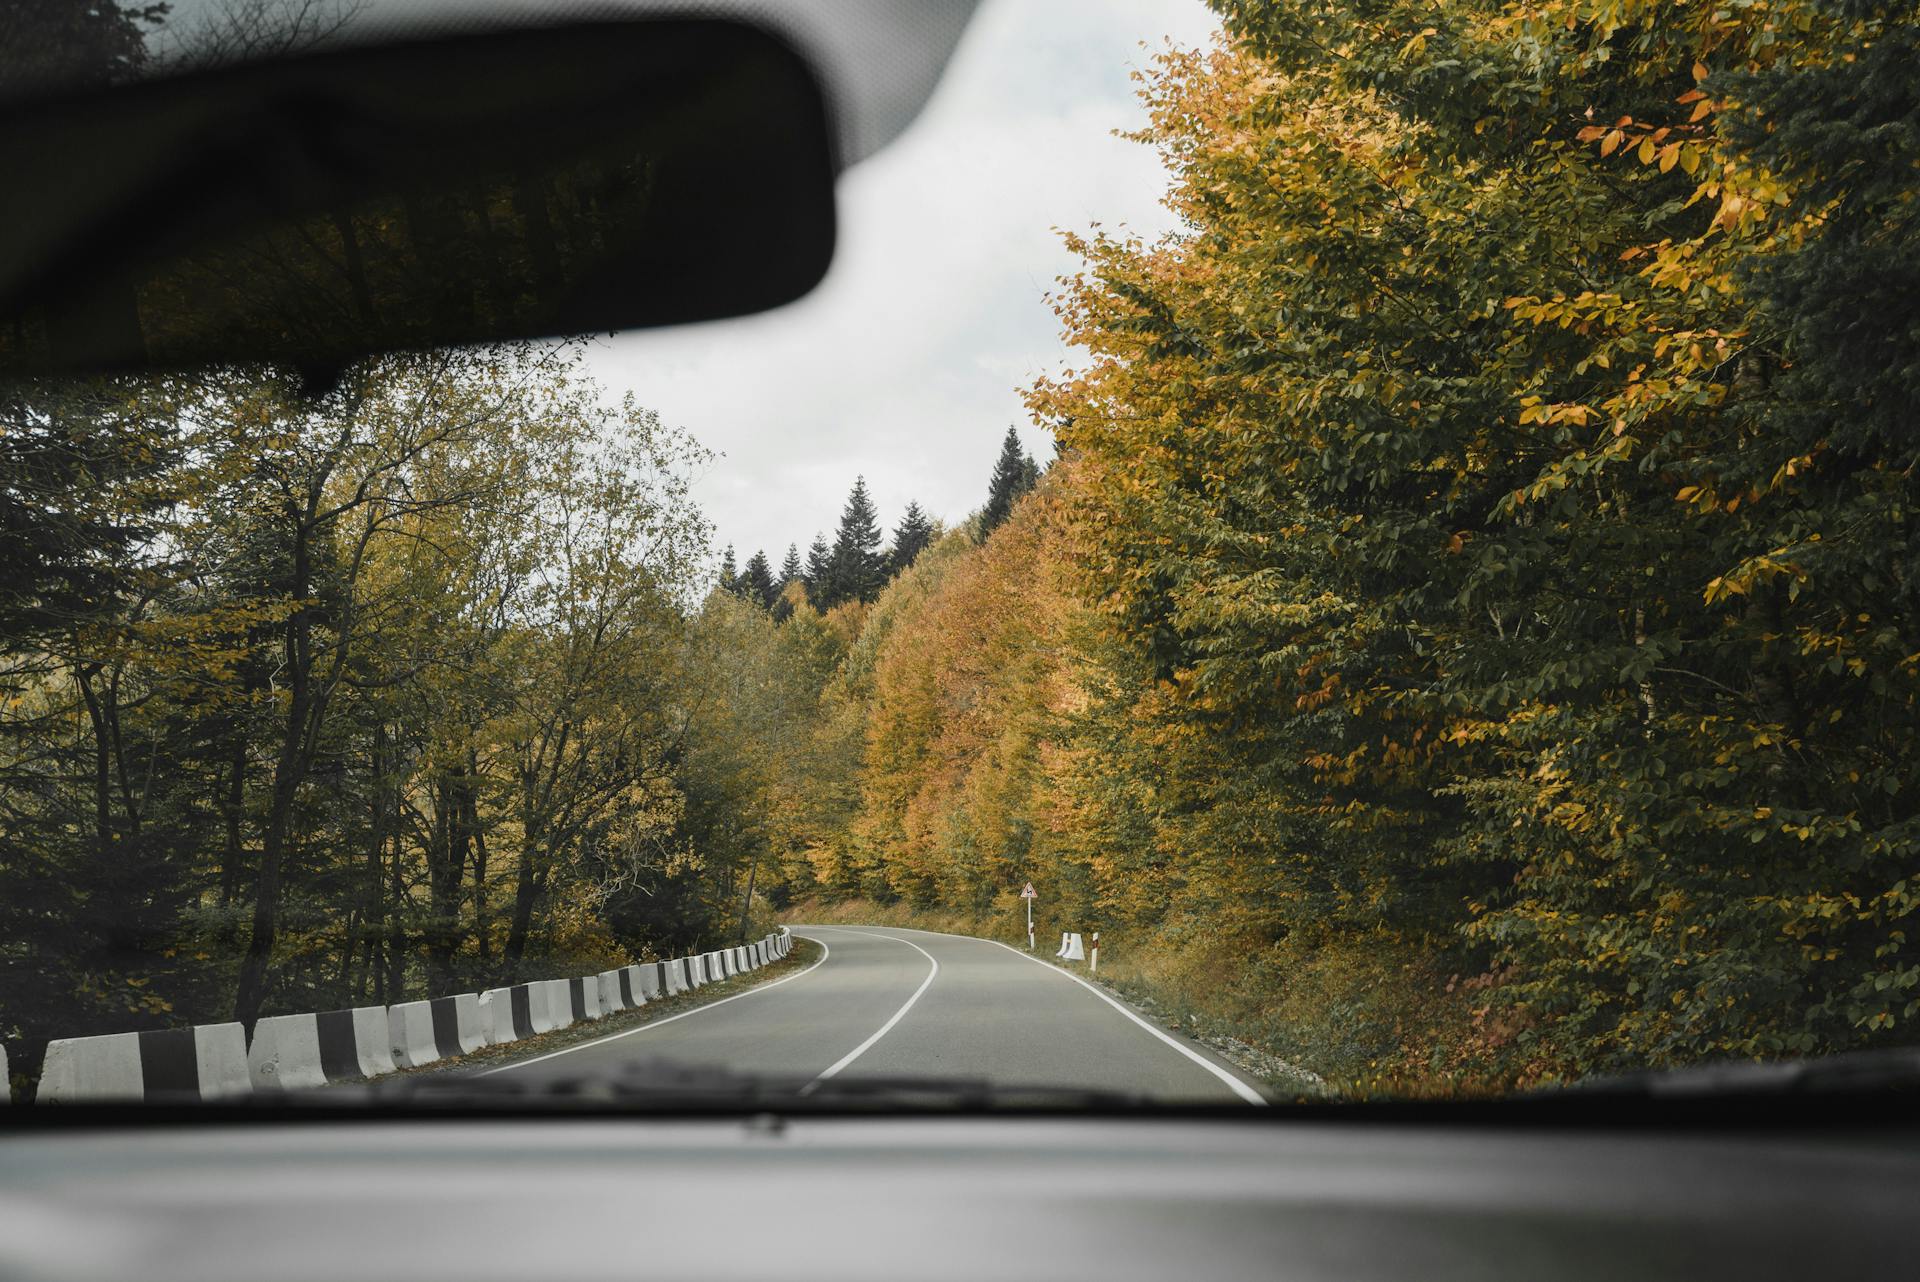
pixel 906 365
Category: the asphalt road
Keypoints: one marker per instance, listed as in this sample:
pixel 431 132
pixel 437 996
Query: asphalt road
pixel 892 1002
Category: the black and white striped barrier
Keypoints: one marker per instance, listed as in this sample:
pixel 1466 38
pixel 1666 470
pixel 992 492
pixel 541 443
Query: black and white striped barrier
pixel 583 995
pixel 302 1052
pixel 299 1052
pixel 560 1003
pixel 205 1062
pixel 504 1012
pixel 422 1033
pixel 616 993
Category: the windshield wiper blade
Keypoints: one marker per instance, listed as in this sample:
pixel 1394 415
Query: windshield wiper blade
pixel 1896 1068
pixel 659 1084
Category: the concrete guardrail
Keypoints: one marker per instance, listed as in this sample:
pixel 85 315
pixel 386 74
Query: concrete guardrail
pixel 609 982
pixel 584 994
pixel 205 1062
pixel 559 1003
pixel 410 1034
pixel 300 1052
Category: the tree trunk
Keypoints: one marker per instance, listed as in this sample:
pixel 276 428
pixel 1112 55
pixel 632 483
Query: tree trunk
pixel 288 773
pixel 525 891
pixel 746 902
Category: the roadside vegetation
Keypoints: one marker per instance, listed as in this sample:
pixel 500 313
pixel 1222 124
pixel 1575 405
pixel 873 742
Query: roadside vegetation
pixel 1470 636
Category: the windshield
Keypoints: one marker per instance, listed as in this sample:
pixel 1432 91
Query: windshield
pixel 1297 554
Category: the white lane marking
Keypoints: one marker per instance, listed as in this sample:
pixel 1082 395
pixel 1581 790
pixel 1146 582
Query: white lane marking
pixel 887 1027
pixel 825 952
pixel 1240 1088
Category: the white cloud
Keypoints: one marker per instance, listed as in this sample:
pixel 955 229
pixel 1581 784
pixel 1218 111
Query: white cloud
pixel 906 364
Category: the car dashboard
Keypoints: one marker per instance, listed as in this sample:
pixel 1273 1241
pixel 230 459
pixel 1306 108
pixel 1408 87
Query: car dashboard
pixel 890 1198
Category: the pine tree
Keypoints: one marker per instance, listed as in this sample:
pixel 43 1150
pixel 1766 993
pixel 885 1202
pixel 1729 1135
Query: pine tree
pixel 857 570
pixel 790 569
pixel 1014 473
pixel 729 577
pixel 756 582
pixel 909 538
pixel 819 561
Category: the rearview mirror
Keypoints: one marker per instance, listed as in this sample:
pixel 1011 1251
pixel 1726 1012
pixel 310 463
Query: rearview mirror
pixel 479 188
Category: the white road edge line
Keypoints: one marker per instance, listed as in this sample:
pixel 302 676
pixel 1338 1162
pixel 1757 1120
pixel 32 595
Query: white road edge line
pixel 1240 1088
pixel 887 1027
pixel 825 952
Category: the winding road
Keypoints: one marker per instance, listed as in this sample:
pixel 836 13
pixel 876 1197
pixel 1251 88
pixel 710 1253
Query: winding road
pixel 889 1002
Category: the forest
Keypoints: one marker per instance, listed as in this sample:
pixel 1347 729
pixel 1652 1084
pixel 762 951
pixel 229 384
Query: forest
pixel 1468 636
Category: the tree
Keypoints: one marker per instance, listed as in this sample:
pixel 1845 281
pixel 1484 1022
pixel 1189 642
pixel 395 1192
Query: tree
pixel 819 566
pixel 856 570
pixel 1014 473
pixel 354 475
pixel 909 537
pixel 729 576
pixel 791 570
pixel 756 582
pixel 67 44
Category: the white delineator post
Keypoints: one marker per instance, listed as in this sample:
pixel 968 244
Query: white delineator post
pixel 1093 953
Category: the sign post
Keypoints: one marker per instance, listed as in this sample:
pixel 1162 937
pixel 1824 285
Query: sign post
pixel 1029 896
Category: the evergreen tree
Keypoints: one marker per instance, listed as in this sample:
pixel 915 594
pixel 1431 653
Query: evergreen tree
pixel 912 535
pixel 756 582
pixel 729 577
pixel 819 561
pixel 791 569
pixel 857 570
pixel 1014 473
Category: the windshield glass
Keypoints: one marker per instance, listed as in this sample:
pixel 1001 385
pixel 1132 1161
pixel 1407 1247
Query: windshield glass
pixel 1295 555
